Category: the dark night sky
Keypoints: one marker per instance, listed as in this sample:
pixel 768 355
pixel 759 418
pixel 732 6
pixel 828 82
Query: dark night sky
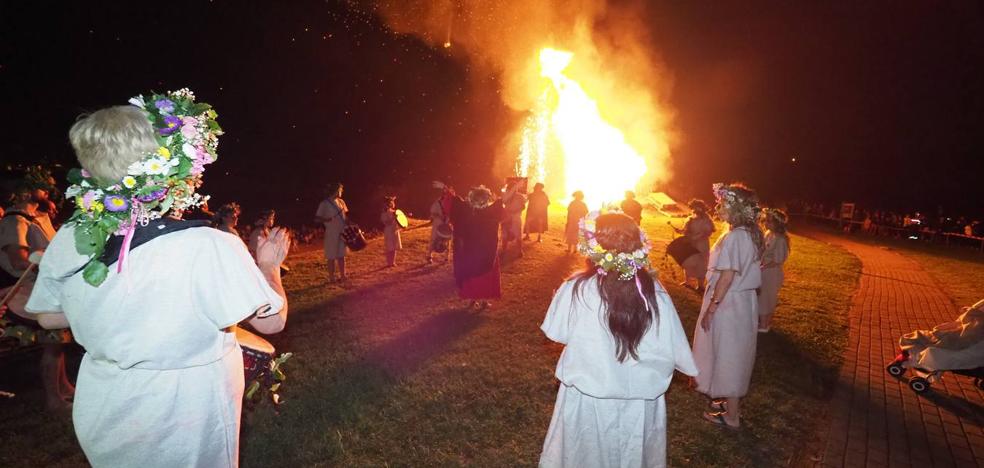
pixel 879 103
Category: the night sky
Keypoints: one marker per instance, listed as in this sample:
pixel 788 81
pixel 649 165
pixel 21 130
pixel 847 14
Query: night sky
pixel 879 103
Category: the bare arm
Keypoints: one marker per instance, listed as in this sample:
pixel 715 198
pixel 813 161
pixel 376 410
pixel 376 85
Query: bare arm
pixel 18 256
pixel 53 321
pixel 720 289
pixel 271 324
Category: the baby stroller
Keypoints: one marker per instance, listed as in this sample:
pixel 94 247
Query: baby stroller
pixel 956 347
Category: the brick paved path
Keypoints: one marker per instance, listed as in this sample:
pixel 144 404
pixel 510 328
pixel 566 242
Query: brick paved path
pixel 876 420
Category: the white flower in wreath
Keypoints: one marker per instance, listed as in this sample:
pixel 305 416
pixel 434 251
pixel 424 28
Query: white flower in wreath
pixel 189 151
pixel 73 191
pixel 159 166
pixel 137 101
pixel 136 168
pixel 129 182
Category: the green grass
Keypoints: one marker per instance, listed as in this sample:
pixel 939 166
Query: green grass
pixel 959 269
pixel 392 370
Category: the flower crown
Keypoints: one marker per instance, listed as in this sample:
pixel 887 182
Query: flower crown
pixel 775 215
pixel 732 202
pixel 626 264
pixel 164 181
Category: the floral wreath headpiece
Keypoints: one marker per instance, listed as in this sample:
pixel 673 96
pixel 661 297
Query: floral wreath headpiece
pixel 775 215
pixel 626 264
pixel 164 181
pixel 480 197
pixel 733 202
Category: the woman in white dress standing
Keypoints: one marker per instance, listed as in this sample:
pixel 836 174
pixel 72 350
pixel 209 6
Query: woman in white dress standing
pixel 725 337
pixel 333 212
pixel 775 255
pixel 161 382
pixel 391 230
pixel 623 340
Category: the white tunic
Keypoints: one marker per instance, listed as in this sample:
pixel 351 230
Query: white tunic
pixel 610 414
pixel 335 210
pixel 161 382
pixel 725 354
pixel 776 251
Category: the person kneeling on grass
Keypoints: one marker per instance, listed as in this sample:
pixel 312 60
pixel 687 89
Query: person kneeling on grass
pixel 623 340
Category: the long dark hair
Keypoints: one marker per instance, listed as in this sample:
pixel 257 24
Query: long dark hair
pixel 629 316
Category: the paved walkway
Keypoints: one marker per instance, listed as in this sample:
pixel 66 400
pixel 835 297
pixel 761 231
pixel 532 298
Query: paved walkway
pixel 876 420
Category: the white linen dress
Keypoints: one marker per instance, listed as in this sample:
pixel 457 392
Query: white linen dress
pixel 391 231
pixel 335 210
pixel 438 218
pixel 725 355
pixel 161 383
pixel 610 414
pixel 776 251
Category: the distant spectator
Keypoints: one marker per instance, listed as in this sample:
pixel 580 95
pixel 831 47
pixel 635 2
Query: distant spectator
pixel 631 207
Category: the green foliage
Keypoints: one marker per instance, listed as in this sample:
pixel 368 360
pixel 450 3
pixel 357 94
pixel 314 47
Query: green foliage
pixel 95 272
pixel 90 240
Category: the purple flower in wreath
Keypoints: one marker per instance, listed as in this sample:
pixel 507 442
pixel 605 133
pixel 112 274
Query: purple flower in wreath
pixel 164 105
pixel 153 196
pixel 115 203
pixel 171 125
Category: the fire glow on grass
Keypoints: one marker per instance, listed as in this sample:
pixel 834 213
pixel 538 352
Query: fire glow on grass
pixel 566 133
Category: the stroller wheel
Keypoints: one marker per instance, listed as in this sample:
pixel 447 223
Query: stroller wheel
pixel 919 384
pixel 895 369
pixel 979 382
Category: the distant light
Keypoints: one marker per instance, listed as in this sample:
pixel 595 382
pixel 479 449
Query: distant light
pixel 793 160
pixel 447 45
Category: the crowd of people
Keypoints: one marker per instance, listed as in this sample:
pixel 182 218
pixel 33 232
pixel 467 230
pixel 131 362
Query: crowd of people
pixel 159 301
pixel 893 223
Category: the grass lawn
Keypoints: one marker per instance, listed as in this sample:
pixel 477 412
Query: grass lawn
pixel 959 270
pixel 392 370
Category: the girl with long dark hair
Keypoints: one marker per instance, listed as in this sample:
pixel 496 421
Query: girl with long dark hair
pixel 623 340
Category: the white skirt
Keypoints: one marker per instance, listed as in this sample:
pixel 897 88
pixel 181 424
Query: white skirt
pixel 605 432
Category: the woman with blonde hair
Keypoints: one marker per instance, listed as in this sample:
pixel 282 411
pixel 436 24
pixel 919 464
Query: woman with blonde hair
pixel 775 255
pixel 726 333
pixel 153 299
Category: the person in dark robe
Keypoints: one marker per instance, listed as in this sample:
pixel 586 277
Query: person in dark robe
pixel 631 207
pixel 536 213
pixel 476 238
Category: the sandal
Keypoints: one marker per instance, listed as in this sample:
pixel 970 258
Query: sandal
pixel 718 419
pixel 719 406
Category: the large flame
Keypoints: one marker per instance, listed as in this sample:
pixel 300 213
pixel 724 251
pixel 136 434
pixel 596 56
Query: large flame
pixel 567 134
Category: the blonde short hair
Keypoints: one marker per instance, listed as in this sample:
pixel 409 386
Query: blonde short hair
pixel 108 141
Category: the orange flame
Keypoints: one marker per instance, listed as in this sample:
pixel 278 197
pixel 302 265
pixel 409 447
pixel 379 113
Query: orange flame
pixel 566 134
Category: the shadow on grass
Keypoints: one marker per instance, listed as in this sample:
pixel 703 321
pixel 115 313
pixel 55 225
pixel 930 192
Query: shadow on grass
pixel 803 373
pixel 353 392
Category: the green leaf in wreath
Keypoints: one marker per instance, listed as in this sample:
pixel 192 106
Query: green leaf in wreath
pixel 90 240
pixel 95 272
pixel 74 176
pixel 252 389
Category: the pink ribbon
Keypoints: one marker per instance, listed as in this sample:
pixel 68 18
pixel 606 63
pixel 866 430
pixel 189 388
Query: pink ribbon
pixel 127 237
pixel 641 294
